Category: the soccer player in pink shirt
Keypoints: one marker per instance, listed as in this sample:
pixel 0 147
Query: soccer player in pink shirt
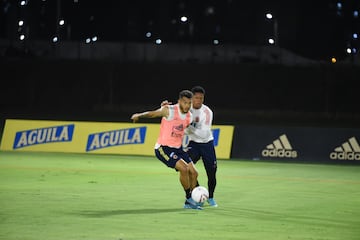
pixel 168 148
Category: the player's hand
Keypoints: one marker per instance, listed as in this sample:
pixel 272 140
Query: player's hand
pixel 135 117
pixel 164 103
pixel 190 129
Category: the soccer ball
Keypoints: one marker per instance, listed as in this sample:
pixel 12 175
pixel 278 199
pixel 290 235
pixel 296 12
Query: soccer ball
pixel 200 194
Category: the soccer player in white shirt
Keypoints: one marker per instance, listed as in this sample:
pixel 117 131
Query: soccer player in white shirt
pixel 201 140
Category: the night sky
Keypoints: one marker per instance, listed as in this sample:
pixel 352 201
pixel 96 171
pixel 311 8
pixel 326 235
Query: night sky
pixel 314 29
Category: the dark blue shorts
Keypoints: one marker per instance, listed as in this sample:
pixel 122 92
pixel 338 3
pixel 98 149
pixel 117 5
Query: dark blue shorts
pixel 204 151
pixel 169 156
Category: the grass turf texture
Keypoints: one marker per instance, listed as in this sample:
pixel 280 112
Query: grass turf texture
pixel 53 196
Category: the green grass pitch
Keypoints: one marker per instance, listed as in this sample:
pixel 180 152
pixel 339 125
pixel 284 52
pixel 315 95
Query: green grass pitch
pixel 57 196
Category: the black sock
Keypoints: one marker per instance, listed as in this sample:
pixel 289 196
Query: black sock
pixel 187 193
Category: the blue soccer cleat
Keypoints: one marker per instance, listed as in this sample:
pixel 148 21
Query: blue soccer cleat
pixel 191 204
pixel 212 202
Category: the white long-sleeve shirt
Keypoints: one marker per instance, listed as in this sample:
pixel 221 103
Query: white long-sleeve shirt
pixel 200 129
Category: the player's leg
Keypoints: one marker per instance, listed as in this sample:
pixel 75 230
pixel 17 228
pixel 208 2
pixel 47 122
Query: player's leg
pixel 194 153
pixel 188 178
pixel 183 168
pixel 192 176
pixel 166 155
pixel 211 170
pixel 210 164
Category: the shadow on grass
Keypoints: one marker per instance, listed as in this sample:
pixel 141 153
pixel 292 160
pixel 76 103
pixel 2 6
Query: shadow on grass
pixel 107 213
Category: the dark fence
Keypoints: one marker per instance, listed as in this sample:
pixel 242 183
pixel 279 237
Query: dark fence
pixel 238 93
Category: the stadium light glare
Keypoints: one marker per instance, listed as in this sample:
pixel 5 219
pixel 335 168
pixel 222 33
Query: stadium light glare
pixel 339 5
pixel 22 37
pixel 210 10
pixel 269 16
pixel 356 13
pixel 21 23
pixel 275 39
pixel 183 19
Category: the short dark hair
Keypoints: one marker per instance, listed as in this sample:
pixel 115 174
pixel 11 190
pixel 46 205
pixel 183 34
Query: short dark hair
pixel 198 89
pixel 185 93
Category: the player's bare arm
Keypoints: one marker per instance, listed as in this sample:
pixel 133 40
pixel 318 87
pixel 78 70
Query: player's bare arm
pixel 165 102
pixel 161 112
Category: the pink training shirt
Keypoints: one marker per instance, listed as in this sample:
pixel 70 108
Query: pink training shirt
pixel 172 128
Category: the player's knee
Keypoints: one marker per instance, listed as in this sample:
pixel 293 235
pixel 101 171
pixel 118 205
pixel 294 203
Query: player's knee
pixel 182 167
pixel 194 172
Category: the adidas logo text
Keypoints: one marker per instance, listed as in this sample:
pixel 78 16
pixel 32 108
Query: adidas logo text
pixel 349 150
pixel 280 148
